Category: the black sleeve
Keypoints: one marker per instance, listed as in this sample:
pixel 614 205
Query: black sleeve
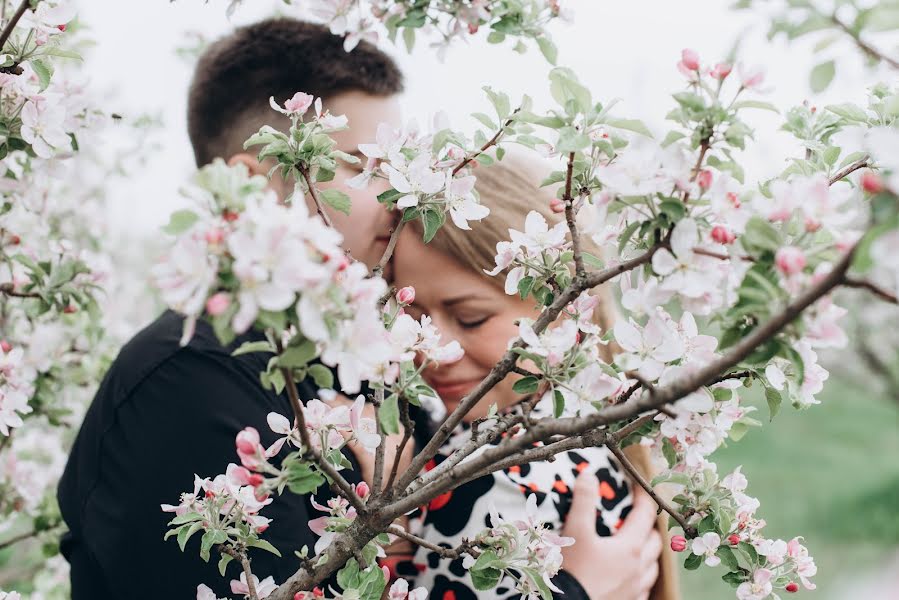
pixel 181 420
pixel 571 587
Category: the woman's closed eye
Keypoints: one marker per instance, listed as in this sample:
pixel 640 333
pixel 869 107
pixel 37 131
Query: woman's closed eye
pixel 472 323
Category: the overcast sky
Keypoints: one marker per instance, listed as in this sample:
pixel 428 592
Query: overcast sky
pixel 621 50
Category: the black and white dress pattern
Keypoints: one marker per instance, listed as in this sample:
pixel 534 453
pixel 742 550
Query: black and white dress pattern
pixel 464 512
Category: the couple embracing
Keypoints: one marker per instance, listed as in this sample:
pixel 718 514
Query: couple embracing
pixel 165 412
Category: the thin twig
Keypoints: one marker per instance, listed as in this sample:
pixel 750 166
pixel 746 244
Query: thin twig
pixel 850 168
pixel 378 477
pixel 873 288
pixel 408 429
pixel 491 142
pixel 241 557
pixel 391 246
pixel 7 31
pixel 304 171
pixel 631 427
pixel 9 289
pixel 863 45
pixel 689 531
pixel 19 538
pixel 450 553
pixel 570 219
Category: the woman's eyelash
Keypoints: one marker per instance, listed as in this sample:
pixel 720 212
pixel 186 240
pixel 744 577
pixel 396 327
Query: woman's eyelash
pixel 473 324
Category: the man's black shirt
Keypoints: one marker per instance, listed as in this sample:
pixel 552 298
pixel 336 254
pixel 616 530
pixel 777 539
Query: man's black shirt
pixel 163 413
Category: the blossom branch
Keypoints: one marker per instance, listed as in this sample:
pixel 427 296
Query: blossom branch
pixel 241 557
pixel 873 288
pixel 408 429
pixel 391 246
pixel 319 207
pixel 850 168
pixel 488 144
pixel 863 45
pixel 19 538
pixel 570 220
pixel 663 504
pixel 14 20
pixel 449 553
pixel 378 476
pixel 9 289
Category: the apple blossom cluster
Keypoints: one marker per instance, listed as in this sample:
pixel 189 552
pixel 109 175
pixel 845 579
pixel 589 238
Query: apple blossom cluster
pixel 439 20
pixel 525 546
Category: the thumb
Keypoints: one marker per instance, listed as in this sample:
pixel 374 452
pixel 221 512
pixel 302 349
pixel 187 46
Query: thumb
pixel 582 516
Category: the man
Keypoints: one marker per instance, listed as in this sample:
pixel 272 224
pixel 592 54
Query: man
pixel 164 412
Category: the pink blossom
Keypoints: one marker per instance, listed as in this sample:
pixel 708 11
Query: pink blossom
pixel 750 78
pixel 690 59
pixel 871 182
pixel 704 179
pixel 264 588
pixel 790 260
pixel 706 545
pixel 678 543
pixel 759 588
pixel 721 71
pixel 722 235
pixel 248 448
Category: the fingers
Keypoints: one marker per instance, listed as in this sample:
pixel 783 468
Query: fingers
pixel 652 548
pixel 581 518
pixel 642 518
pixel 648 578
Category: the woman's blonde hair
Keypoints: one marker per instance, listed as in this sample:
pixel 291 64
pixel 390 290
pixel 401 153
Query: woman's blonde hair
pixel 511 189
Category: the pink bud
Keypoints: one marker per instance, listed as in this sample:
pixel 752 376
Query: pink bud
pixel 678 543
pixel 812 225
pixel 705 179
pixel 247 441
pixel 472 28
pixel 792 587
pixel 215 236
pixel 218 303
pixel 300 103
pixel 71 308
pixel 790 260
pixel 230 216
pixel 255 480
pixel 362 489
pixel 690 59
pixel 15 240
pixel 5 346
pixel 721 71
pixel 723 235
pixel 61 27
pixel 557 206
pixel 262 528
pixel 871 182
pixel 734 199
pixel 406 295
pixel 734 539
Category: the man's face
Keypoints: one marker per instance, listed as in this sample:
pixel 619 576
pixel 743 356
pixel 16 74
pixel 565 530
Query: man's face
pixel 366 229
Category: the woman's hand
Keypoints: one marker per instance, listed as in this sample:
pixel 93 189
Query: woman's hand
pixel 621 567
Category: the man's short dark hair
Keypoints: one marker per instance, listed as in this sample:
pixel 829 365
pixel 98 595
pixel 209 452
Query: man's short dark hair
pixel 237 74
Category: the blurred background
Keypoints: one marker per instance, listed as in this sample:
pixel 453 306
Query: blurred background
pixel 830 473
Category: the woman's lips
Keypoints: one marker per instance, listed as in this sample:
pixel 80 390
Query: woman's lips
pixel 455 390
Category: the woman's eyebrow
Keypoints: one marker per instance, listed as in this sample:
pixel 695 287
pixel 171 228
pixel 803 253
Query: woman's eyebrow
pixel 457 299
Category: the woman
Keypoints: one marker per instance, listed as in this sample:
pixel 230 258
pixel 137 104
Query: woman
pixel 467 305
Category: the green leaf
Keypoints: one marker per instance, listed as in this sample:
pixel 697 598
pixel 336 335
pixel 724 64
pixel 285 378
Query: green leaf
pixel 223 563
pixel 186 532
pixel 211 538
pixel 43 71
pixel 756 104
pixel 672 137
pixel 565 87
pixel 181 221
pixel 668 452
pixel 485 121
pixel 321 375
pixel 336 199
pixel 433 221
pixel 301 479
pixel 735 578
pixel 500 102
pixel 634 125
pixel 728 558
pixel 774 399
pixel 558 404
pixel 264 545
pixel 692 563
pixel 389 415
pixel 526 385
pixel 409 38
pixel 525 286
pixel 251 347
pixel 297 356
pixel 485 579
pixel 548 48
pixel 760 236
pixel 848 111
pixel 821 76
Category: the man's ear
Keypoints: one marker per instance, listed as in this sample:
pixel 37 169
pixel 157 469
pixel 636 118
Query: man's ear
pixel 252 163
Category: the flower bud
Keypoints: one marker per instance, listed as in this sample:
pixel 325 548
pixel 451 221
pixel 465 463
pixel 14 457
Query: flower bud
pixel 792 587
pixel 723 235
pixel 406 295
pixel 871 182
pixel 733 539
pixel 247 441
pixel 5 346
pixel 721 71
pixel 557 206
pixel 255 480
pixel 690 59
pixel 230 216
pixel 61 27
pixel 704 179
pixel 218 303
pixel 15 240
pixel 790 260
pixel 215 236
pixel 678 543
pixel 71 308
pixel 362 489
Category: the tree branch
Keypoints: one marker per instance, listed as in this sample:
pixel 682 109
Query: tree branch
pixel 319 207
pixel 871 287
pixel 487 145
pixel 241 557
pixel 689 531
pixel 850 168
pixel 864 46
pixel 450 553
pixel 9 289
pixel 16 17
pixel 388 252
pixel 570 218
